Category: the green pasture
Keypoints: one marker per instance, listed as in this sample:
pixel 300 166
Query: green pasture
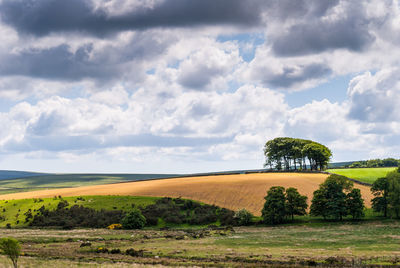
pixel 12 211
pixel 368 175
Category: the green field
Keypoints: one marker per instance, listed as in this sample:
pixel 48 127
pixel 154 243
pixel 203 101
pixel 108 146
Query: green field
pixel 331 244
pixel 368 175
pixel 70 180
pixel 13 210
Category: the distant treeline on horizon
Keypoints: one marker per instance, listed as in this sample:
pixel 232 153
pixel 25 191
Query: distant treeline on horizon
pixel 372 163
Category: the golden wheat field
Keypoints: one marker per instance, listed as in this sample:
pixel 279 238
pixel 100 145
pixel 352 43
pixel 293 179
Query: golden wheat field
pixel 230 191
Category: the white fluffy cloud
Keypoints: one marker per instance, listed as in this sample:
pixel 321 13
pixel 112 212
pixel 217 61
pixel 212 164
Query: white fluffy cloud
pixel 172 88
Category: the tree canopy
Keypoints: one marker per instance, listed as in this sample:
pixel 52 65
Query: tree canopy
pixel 281 204
pixel 336 199
pixel 289 153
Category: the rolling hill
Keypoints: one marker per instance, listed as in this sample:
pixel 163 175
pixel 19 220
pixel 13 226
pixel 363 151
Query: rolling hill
pixel 47 181
pixel 14 174
pixel 231 191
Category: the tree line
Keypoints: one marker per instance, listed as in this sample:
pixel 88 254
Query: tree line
pixel 335 199
pixel 374 163
pixel 286 153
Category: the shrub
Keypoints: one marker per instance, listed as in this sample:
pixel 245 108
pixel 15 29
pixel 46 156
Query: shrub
pixel 76 216
pixel 134 253
pixel 134 220
pixel 243 217
pixel 11 248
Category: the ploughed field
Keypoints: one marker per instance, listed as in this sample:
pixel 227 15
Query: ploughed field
pixel 229 191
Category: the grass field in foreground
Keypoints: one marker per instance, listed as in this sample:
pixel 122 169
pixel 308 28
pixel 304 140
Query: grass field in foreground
pixel 349 244
pixel 13 210
pixel 368 175
pixel 230 191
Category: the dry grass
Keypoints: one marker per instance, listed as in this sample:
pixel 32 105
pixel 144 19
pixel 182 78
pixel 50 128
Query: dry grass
pixel 230 191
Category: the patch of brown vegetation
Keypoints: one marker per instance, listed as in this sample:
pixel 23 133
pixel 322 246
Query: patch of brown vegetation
pixel 230 191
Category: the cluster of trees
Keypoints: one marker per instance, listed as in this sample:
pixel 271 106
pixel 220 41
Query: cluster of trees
pixel 335 199
pixel 281 204
pixel 373 163
pixel 290 153
pixel 387 194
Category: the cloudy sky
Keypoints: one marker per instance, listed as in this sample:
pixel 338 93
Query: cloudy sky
pixel 194 85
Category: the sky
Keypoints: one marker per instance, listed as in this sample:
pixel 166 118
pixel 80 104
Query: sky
pixel 185 86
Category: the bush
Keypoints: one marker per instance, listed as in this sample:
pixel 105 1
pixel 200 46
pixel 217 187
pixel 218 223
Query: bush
pixel 243 217
pixel 11 248
pixel 76 216
pixel 134 220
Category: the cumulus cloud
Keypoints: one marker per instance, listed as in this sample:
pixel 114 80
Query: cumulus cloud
pixel 375 98
pixel 106 62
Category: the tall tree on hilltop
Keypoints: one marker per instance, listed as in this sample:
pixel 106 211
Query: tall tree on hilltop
pixel 287 152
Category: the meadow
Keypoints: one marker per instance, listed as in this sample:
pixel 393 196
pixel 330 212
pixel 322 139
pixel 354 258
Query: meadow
pixel 13 210
pixel 230 191
pixel 308 244
pixel 367 175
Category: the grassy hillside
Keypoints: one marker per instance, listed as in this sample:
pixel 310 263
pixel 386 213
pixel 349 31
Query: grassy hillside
pixel 70 180
pixel 13 174
pixel 368 175
pixel 12 211
pixel 230 191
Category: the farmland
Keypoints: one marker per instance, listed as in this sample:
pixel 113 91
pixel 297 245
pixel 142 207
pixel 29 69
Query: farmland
pixel 368 175
pixel 51 181
pixel 229 191
pixel 337 244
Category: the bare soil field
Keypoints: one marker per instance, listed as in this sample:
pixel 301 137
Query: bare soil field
pixel 230 191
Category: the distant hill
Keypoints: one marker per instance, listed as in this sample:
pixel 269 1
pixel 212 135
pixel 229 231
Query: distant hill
pixel 13 174
pixel 45 181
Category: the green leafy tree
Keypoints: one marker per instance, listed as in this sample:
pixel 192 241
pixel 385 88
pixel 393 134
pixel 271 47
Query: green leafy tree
pixel 319 204
pixel 274 207
pixel 285 152
pixel 11 248
pixel 355 204
pixel 296 204
pixel 329 200
pixel 243 217
pixel 133 220
pixel 393 196
pixel 380 189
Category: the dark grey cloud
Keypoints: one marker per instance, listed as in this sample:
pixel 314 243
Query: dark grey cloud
pixel 85 142
pixel 62 63
pixel 55 63
pixel 47 16
pixel 291 76
pixel 315 35
pixel 289 9
pixel 200 77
